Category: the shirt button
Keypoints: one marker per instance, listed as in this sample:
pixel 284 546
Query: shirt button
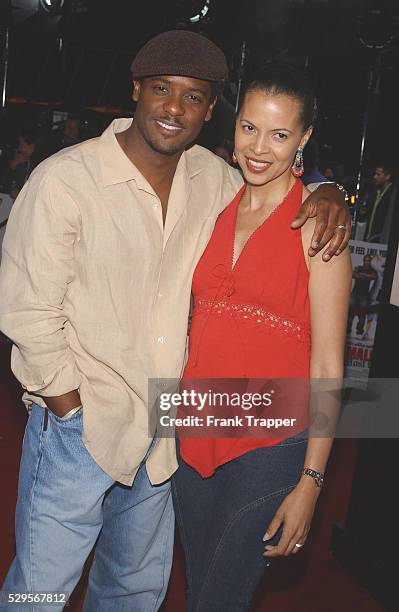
pixel 161 340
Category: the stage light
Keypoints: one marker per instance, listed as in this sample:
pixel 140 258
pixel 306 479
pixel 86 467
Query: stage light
pixel 376 28
pixel 203 12
pixel 52 6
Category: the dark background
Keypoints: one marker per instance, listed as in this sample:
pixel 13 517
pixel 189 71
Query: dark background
pixel 81 58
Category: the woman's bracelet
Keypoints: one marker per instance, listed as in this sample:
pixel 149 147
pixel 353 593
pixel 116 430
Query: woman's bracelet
pixel 318 477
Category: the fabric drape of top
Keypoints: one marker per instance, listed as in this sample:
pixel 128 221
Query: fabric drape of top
pixel 250 321
pixel 95 292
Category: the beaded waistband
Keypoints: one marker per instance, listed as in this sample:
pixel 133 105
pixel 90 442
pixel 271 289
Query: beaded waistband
pixel 256 314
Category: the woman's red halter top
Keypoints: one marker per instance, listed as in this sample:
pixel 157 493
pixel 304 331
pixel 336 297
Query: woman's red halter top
pixel 250 321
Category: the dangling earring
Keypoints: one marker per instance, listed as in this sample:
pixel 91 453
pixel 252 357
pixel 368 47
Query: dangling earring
pixel 297 167
pixel 234 159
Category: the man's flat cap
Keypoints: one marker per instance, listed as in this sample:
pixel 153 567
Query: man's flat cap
pixel 180 53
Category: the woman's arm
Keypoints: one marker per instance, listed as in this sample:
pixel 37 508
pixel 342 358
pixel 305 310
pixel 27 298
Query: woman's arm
pixel 329 291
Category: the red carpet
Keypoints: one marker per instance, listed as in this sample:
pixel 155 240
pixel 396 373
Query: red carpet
pixel 311 581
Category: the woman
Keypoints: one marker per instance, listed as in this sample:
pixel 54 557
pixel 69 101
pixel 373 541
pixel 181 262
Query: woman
pixel 259 312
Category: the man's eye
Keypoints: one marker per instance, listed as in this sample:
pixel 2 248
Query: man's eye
pixel 160 89
pixel 194 98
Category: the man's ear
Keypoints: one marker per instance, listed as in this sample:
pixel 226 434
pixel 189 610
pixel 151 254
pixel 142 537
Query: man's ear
pixel 209 112
pixel 136 90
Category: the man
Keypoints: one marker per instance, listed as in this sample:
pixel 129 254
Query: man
pixel 381 209
pixel 96 279
pixel 360 297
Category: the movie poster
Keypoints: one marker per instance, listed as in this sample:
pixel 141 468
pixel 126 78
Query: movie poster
pixel 368 262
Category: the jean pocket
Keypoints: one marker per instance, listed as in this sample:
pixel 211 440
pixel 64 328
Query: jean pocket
pixel 36 423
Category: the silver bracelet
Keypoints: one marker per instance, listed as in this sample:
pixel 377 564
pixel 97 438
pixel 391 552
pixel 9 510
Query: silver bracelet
pixel 318 477
pixel 338 186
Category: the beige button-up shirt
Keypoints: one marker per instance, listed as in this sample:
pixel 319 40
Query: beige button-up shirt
pixel 95 291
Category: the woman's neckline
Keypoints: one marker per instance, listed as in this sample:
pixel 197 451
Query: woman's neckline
pixel 234 260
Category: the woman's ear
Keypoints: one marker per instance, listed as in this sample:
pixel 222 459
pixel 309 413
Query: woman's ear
pixel 306 137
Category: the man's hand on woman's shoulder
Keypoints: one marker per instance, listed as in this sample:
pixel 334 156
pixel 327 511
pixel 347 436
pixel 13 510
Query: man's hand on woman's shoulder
pixel 333 220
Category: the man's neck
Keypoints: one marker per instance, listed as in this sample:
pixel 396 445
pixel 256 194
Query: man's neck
pixel 157 168
pixel 384 186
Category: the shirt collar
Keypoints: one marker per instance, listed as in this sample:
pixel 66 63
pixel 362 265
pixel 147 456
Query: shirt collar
pixel 116 167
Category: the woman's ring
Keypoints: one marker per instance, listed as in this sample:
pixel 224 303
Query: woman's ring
pixel 299 545
pixel 341 226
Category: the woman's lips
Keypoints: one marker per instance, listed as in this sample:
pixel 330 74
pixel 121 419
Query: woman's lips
pixel 257 166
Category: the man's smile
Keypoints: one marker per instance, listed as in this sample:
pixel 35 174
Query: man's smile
pixel 169 127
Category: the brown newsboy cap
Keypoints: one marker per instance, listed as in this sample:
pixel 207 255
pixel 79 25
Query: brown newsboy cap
pixel 180 53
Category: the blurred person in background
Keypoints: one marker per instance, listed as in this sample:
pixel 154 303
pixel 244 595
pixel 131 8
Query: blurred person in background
pixel 27 154
pixel 72 133
pixel 379 211
pixel 329 172
pixel 312 174
pixel 224 150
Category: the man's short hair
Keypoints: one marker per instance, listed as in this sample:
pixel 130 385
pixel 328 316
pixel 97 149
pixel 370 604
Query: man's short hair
pixel 388 168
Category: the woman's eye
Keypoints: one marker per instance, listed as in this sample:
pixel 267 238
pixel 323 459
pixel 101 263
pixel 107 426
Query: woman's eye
pixel 281 136
pixel 248 128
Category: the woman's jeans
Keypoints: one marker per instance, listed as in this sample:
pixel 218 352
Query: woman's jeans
pixel 222 520
pixel 65 504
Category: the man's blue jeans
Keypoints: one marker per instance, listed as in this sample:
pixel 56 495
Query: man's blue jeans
pixel 65 504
